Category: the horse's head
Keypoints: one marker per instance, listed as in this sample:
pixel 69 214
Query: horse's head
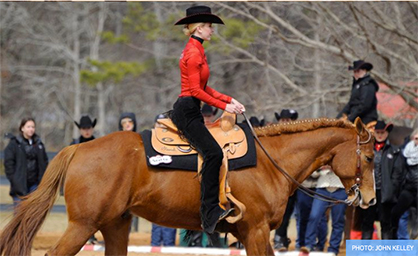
pixel 353 163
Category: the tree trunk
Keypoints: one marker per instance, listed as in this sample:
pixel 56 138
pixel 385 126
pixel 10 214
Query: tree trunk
pixel 94 55
pixel 76 74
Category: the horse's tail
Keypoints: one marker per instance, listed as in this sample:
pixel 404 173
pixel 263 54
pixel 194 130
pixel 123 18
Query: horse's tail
pixel 17 237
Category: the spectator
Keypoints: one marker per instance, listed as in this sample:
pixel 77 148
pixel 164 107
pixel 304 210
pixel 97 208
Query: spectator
pixel 162 235
pixel 329 185
pixel 408 194
pixel 387 174
pixel 86 127
pixel 286 115
pixel 208 114
pixel 25 161
pixel 303 210
pixel 255 122
pixel 281 241
pixel 363 101
pixel 127 122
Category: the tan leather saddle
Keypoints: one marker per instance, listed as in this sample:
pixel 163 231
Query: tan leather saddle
pixel 166 140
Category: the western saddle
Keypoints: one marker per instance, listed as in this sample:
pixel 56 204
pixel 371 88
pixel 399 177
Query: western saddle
pixel 231 138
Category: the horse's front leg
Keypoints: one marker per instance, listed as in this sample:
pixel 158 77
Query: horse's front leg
pixel 256 240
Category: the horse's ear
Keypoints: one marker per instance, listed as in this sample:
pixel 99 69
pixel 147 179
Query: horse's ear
pixel 360 128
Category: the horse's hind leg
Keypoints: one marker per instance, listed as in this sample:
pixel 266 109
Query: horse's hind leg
pixel 116 235
pixel 75 236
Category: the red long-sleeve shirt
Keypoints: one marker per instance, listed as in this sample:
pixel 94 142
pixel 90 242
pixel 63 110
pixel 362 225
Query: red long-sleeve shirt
pixel 194 72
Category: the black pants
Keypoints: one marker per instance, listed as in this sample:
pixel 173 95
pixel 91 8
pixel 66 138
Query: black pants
pixel 187 117
pixel 407 199
pixel 282 230
pixel 381 212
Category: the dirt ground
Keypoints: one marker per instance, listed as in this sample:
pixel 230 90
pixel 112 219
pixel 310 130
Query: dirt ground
pixel 56 224
pixel 46 240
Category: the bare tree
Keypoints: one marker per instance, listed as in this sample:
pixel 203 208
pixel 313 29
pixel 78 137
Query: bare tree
pixel 270 55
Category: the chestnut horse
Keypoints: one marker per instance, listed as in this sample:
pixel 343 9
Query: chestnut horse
pixel 107 179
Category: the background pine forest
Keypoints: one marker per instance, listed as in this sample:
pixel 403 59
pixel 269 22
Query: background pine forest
pixel 62 60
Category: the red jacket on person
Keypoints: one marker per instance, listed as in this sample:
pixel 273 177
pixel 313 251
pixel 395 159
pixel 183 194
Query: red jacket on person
pixel 194 71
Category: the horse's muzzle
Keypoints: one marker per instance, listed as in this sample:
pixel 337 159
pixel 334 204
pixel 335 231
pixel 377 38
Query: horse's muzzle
pixel 364 205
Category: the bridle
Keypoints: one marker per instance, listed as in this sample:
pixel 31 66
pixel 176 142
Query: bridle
pixel 358 177
pixel 359 174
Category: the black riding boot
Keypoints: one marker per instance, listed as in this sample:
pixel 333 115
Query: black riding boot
pixel 186 115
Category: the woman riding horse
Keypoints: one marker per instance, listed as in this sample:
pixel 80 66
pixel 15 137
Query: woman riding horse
pixel 186 114
pixel 102 187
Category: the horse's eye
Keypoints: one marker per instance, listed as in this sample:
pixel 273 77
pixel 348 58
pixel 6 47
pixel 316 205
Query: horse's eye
pixel 369 159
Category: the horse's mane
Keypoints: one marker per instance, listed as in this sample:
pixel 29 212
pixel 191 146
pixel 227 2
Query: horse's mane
pixel 301 126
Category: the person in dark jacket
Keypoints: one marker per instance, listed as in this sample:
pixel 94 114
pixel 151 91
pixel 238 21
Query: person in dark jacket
pixel 86 127
pixel 387 174
pixel 408 195
pixel 363 101
pixel 281 240
pixel 127 122
pixel 160 235
pixel 25 161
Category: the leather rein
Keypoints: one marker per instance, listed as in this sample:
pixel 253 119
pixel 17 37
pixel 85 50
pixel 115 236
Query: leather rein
pixel 358 177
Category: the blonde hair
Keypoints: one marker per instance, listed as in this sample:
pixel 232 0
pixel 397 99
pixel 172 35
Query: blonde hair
pixel 189 29
pixel 414 132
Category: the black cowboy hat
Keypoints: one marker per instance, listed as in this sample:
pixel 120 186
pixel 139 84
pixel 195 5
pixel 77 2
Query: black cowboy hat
pixel 85 122
pixel 208 110
pixel 287 113
pixel 254 121
pixel 361 64
pixel 382 126
pixel 197 14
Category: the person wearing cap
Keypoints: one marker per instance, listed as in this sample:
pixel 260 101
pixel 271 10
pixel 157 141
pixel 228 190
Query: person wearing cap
pixel 255 122
pixel 186 114
pixel 286 115
pixel 86 127
pixel 387 175
pixel 363 100
pixel 408 195
pixel 208 114
pixel 160 235
pixel 281 240
pixel 127 122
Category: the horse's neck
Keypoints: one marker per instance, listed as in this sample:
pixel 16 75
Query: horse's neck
pixel 300 154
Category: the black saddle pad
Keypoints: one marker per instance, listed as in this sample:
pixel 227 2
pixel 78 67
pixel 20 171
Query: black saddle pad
pixel 189 162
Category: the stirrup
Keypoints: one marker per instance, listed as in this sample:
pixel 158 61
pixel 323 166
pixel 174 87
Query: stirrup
pixel 225 213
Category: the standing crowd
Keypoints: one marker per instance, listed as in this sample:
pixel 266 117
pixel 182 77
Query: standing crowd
pixel 395 168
